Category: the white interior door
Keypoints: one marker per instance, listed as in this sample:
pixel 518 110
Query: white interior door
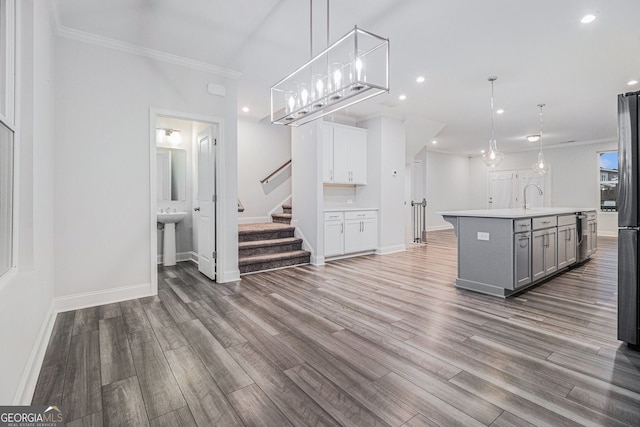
pixel 501 192
pixel 205 209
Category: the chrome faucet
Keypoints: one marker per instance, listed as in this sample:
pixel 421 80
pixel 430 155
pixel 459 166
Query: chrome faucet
pixel 525 193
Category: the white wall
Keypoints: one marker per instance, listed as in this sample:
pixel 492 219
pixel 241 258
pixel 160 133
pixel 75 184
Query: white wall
pixel 262 147
pixel 102 193
pixel 447 185
pixel 26 294
pixel 386 140
pixel 306 155
pixel 574 178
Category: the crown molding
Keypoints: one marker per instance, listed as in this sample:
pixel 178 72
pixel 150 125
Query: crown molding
pixel 109 43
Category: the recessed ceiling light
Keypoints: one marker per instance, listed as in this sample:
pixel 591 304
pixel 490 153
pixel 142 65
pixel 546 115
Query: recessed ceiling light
pixel 434 142
pixel 402 97
pixel 499 111
pixel 481 151
pixel 533 138
pixel 245 109
pixel 587 19
pixel 632 82
pixel 420 79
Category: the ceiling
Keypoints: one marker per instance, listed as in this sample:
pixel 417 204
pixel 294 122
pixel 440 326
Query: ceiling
pixel 539 50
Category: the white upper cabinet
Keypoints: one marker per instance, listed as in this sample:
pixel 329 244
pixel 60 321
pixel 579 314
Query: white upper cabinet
pixel 344 155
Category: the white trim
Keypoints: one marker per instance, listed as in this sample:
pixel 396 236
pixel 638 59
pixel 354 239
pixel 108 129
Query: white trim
pixel 180 257
pixel 229 276
pixel 391 249
pixel 253 219
pixel 350 255
pixel 29 379
pixel 105 296
pixel 222 276
pixel 109 43
pixel 608 233
pixel 439 227
pixel 314 259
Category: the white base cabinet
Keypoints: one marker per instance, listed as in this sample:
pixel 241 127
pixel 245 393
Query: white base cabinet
pixel 333 234
pixel 350 232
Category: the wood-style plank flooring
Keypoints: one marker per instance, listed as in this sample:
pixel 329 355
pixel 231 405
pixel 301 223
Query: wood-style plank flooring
pixel 369 341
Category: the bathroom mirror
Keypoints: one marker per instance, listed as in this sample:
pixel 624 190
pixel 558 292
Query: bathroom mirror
pixel 172 173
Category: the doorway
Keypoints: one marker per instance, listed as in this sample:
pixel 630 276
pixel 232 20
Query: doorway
pixel 184 160
pixel 506 189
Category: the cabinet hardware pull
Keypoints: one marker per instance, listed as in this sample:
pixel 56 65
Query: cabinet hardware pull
pixel 342 228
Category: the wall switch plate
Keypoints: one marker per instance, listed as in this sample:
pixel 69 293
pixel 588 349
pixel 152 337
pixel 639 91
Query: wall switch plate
pixel 483 236
pixel 349 201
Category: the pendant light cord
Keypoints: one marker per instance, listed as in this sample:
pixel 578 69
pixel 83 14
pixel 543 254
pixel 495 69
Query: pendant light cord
pixel 541 105
pixel 310 28
pixel 493 133
pixel 327 23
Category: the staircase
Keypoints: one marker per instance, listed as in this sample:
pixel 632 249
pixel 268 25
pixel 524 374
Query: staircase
pixel 270 245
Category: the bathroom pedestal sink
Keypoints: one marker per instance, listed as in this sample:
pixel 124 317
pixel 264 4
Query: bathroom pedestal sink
pixel 169 219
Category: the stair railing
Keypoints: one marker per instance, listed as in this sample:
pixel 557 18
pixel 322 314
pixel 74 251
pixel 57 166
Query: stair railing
pixel 275 172
pixel 419 221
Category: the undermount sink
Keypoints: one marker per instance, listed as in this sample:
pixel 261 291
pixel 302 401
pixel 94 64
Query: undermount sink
pixel 170 217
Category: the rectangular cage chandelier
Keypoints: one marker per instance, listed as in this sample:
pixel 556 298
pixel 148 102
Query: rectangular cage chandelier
pixel 354 68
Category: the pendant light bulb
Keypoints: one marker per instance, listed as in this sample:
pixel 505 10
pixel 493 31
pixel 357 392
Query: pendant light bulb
pixel 493 157
pixel 540 166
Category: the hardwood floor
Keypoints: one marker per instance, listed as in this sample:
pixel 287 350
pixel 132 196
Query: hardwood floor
pixel 369 341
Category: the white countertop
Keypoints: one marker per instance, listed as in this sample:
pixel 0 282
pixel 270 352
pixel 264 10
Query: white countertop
pixel 349 209
pixel 515 213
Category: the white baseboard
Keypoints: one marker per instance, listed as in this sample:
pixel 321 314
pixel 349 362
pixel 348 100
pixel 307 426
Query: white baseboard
pixel 305 246
pixel 317 260
pixel 253 219
pixel 608 233
pixel 107 296
pixel 229 276
pixel 440 227
pixel 180 257
pixel 391 249
pixel 29 379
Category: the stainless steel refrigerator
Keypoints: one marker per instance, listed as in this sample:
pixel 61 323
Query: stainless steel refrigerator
pixel 628 219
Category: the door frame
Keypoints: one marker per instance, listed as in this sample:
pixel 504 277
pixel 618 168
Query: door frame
pixel 154 113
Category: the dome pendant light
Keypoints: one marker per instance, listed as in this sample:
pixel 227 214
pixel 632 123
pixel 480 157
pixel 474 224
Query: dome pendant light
pixel 493 157
pixel 541 166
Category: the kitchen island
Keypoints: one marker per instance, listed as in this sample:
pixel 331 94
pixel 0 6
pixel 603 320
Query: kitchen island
pixel 504 251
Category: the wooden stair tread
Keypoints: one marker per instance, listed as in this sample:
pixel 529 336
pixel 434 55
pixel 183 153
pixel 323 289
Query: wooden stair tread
pixel 271 242
pixel 286 206
pixel 272 257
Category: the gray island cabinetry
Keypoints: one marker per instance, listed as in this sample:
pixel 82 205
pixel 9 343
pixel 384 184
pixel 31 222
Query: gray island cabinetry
pixel 504 251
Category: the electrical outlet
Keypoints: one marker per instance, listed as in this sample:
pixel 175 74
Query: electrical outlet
pixel 483 236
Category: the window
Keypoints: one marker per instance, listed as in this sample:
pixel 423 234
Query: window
pixel 609 181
